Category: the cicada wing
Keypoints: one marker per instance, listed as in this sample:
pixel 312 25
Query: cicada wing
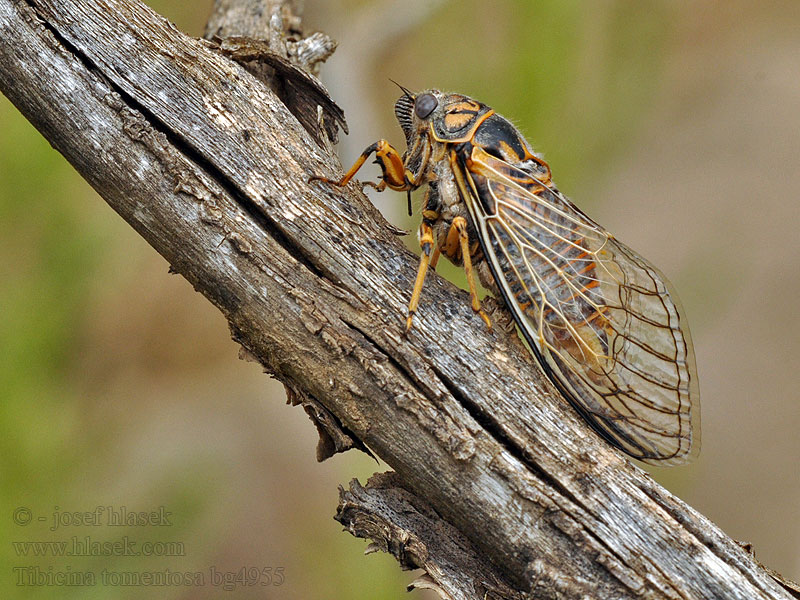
pixel 604 323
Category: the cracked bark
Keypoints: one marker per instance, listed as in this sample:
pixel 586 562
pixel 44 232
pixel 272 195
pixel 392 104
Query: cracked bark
pixel 501 490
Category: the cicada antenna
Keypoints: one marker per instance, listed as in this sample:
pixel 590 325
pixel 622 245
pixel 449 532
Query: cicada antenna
pixel 406 91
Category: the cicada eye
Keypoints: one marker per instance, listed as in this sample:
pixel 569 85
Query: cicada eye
pixel 425 105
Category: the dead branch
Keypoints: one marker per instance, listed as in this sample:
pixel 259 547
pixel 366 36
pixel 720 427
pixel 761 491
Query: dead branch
pixel 211 168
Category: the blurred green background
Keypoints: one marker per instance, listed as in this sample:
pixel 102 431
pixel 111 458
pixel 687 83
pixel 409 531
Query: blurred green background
pixel 676 125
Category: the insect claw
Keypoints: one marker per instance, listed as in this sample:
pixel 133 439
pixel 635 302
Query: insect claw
pixel 397 230
pixel 378 187
pixel 314 178
pixel 409 324
pixel 486 319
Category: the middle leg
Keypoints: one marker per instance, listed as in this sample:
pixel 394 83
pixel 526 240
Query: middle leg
pixel 460 227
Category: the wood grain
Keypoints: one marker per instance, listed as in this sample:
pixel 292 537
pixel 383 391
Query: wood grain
pixel 211 168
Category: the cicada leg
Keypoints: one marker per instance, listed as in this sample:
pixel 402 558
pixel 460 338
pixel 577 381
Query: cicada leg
pixel 460 227
pixel 435 258
pixel 426 243
pixel 457 238
pixel 393 173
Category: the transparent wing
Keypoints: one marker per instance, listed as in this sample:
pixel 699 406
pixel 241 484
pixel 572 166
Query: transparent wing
pixel 604 323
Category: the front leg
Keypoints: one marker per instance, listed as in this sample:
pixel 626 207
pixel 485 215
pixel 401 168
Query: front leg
pixel 391 164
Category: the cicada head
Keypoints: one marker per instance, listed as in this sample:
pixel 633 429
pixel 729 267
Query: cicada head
pixel 415 112
pixel 449 117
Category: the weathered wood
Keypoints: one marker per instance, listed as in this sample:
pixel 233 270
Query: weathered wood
pixel 265 36
pixel 211 168
pixel 255 19
pixel 404 525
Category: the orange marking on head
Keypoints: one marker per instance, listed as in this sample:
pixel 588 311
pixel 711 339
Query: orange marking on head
pixel 476 122
pixel 454 122
pixel 463 105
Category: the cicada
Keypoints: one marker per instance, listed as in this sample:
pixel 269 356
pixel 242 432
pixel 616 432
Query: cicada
pixel 604 324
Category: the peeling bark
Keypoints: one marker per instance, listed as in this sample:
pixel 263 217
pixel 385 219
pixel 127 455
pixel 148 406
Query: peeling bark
pixel 404 525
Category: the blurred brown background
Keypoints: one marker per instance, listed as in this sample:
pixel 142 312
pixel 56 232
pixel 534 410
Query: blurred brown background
pixel 676 125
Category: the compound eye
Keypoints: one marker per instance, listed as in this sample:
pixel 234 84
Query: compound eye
pixel 425 105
